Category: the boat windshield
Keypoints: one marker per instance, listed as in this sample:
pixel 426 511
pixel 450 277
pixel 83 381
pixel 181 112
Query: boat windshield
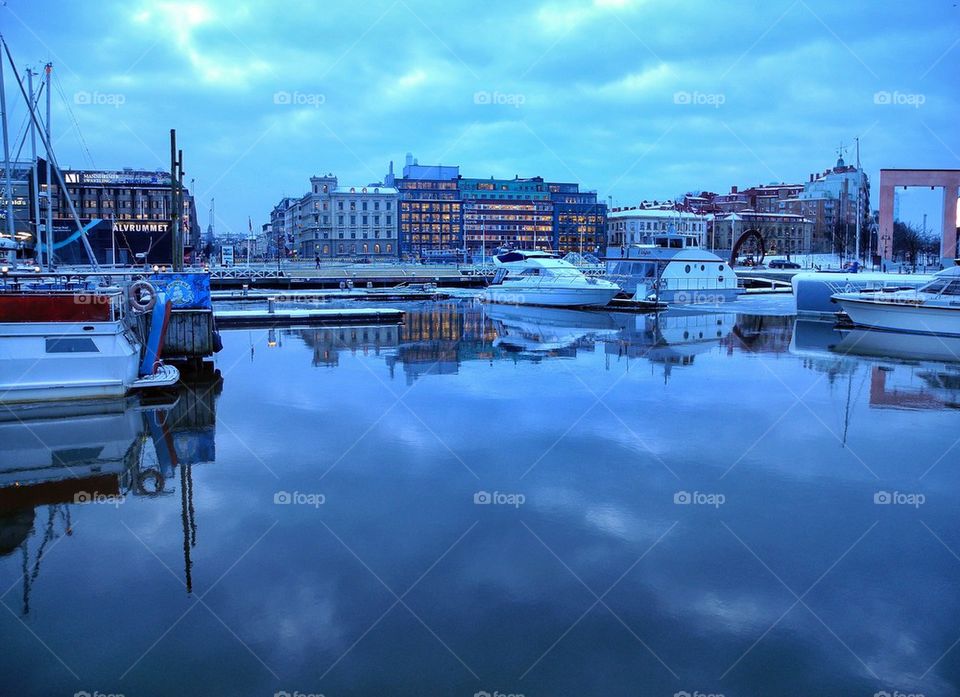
pixel 634 269
pixel 942 286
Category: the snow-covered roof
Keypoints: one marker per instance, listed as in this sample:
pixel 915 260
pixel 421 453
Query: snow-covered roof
pixel 378 190
pixel 654 213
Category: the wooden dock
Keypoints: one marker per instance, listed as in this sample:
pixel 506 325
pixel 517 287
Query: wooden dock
pixel 285 318
pixel 381 294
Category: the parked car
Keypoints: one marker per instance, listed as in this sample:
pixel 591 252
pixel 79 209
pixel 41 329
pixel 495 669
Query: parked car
pixel 783 264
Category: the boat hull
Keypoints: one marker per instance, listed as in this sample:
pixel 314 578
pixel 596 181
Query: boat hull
pixel 914 318
pixel 52 361
pixel 598 295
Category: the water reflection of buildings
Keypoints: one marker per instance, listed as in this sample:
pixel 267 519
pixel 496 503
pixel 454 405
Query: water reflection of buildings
pixel 62 456
pixel 329 342
pixel 436 338
pixel 760 334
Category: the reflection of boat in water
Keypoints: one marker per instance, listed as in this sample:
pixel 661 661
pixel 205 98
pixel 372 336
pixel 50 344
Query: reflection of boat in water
pixel 674 337
pixel 546 329
pixel 905 371
pixel 52 451
pixel 933 308
pixel 820 337
pixel 99 451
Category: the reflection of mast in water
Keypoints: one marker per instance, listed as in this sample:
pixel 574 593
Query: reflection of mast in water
pixel 29 576
pixel 188 521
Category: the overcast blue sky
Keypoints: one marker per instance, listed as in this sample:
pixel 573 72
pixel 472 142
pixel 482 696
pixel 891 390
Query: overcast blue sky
pixel 634 98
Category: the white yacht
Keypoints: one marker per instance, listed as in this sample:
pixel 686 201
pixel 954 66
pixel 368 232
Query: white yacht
pixel 933 308
pixel 673 268
pixel 541 278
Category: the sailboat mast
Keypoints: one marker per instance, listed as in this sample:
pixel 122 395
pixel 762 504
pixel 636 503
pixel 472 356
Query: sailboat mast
pixel 48 232
pixel 36 179
pixel 56 167
pixel 8 184
pixel 859 190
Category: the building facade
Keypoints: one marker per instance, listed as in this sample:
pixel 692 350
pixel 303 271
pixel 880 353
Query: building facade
pixel 579 220
pixel 126 213
pixel 333 221
pixel 830 200
pixel 783 233
pixel 638 225
pixel 506 213
pixel 444 215
pixel 431 212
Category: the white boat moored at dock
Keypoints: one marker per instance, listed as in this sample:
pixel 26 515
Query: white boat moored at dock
pixel 541 278
pixel 933 308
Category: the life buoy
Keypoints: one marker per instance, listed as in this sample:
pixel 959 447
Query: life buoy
pixel 143 296
pixel 146 475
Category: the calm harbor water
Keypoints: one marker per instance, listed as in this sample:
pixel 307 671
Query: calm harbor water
pixel 504 500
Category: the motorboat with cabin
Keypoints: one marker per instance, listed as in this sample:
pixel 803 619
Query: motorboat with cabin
pixel 814 290
pixel 933 308
pixel 671 267
pixel 542 278
pixel 79 342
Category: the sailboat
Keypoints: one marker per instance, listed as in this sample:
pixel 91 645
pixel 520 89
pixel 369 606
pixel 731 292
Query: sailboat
pixel 73 340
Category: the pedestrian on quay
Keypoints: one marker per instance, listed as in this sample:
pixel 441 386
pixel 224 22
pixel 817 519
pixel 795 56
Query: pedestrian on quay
pixel 316 258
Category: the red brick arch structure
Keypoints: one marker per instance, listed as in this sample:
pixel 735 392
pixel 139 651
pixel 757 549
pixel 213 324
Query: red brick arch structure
pixel 948 179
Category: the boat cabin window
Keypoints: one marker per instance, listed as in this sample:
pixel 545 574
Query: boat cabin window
pixel 66 345
pixel 632 269
pixel 953 288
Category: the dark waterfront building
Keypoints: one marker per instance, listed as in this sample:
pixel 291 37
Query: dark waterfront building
pixel 431 222
pixel 125 213
pixel 579 221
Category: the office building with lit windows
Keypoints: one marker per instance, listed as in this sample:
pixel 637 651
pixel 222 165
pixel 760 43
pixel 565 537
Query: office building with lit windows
pixel 431 222
pixel 579 220
pixel 506 213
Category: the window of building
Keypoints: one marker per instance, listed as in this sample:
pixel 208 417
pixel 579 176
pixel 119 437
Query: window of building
pixel 353 220
pixel 339 205
pixel 364 219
